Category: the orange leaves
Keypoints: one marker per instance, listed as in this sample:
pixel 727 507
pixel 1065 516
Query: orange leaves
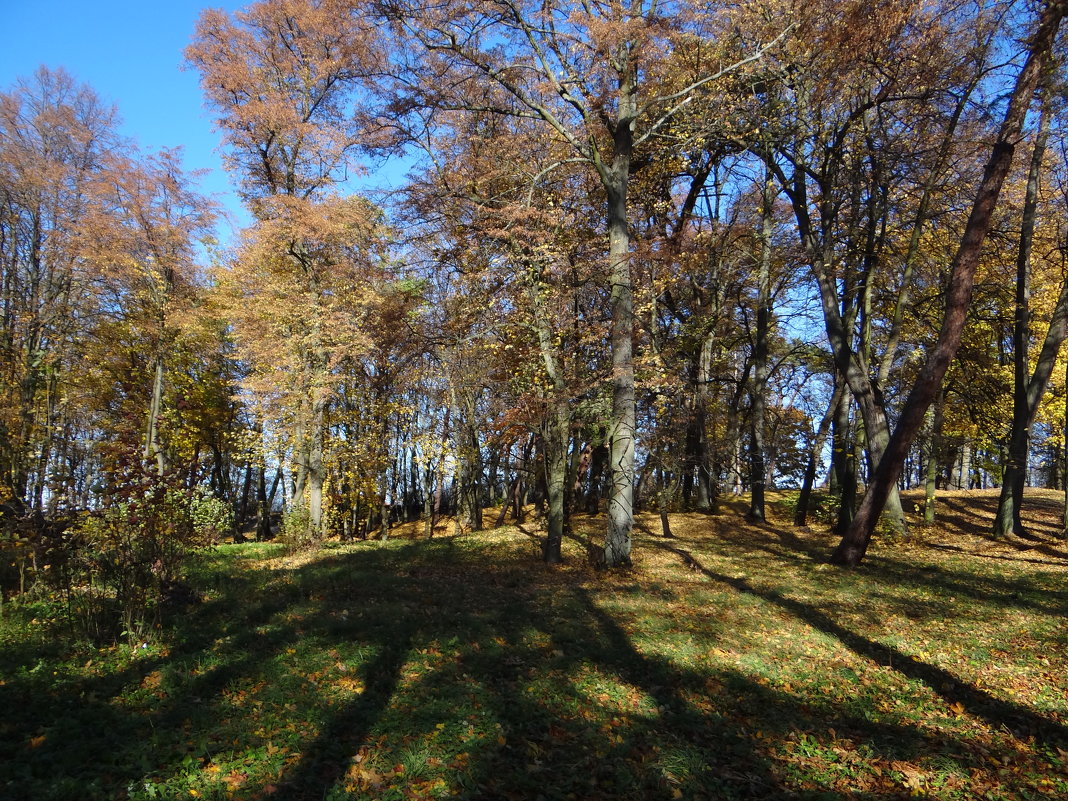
pixel 235 779
pixel 279 75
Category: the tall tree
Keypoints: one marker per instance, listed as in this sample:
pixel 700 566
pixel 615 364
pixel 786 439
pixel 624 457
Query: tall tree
pixel 281 76
pixel 596 78
pixel 1028 386
pixel 854 544
pixel 55 137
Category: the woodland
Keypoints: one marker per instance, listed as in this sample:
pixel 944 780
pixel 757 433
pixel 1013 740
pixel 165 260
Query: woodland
pixel 691 422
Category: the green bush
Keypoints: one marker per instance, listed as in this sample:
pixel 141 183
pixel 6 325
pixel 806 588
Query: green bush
pixel 296 532
pixel 212 518
pixel 126 560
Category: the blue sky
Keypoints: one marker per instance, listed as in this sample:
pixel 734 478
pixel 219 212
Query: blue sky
pixel 131 54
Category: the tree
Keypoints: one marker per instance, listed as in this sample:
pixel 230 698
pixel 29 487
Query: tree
pixel 55 137
pixel 281 77
pixel 1028 388
pixel 854 544
pixel 846 144
pixel 597 79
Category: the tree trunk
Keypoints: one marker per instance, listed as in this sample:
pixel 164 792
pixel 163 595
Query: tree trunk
pixel 931 466
pixel 1007 520
pixel 263 506
pixel 242 507
pixel 1064 431
pixel 664 492
pixel 758 388
pixel 429 507
pixel 803 499
pixel 617 544
pixel 706 478
pixel 315 470
pixel 153 449
pixel 555 465
pixel 855 543
pixel 598 462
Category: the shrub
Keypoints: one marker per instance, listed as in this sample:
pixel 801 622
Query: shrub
pixel 127 559
pixel 296 534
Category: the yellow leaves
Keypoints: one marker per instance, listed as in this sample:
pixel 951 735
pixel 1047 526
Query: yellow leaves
pixel 350 684
pixel 235 779
pixel 911 776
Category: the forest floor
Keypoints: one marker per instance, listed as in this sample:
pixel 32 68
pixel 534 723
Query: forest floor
pixel 730 662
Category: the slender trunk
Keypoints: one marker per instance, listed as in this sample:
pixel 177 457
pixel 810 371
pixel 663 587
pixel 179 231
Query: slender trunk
pixel 512 489
pixel 855 543
pixel 1007 520
pixel 581 470
pixel 429 513
pixel 316 474
pixel 1064 431
pixel 555 466
pixel 931 466
pixel 153 451
pixel 1053 477
pixel 492 479
pixel 801 513
pixel 847 501
pixel 439 481
pixel 473 473
pixel 663 501
pixel 385 510
pixel 300 457
pixel 706 483
pixel 242 508
pixel 263 506
pixel 733 434
pixel 840 442
pixel 758 389
pixel 556 427
pixel 598 462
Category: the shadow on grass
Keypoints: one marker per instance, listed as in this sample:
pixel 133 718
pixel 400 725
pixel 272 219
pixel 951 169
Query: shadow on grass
pixel 1023 722
pixel 974 514
pixel 483 670
pixel 938 546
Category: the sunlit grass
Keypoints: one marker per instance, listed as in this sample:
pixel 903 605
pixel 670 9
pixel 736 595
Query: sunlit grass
pixel 731 662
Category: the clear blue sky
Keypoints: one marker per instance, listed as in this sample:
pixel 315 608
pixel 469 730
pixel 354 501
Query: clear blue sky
pixel 130 52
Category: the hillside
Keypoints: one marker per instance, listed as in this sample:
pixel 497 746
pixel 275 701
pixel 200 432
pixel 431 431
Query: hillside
pixel 730 662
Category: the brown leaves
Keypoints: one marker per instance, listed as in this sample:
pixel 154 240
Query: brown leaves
pixel 279 75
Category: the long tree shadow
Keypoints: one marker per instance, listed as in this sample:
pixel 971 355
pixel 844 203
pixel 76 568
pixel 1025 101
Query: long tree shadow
pixel 1022 721
pixel 527 681
pixel 940 546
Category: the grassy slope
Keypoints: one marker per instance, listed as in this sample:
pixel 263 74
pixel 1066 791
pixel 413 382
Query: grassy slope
pixel 729 663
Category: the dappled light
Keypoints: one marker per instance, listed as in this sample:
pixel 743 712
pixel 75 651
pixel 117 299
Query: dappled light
pixel 727 663
pixel 683 416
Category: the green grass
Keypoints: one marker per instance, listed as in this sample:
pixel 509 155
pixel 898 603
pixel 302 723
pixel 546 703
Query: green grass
pixel 729 663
